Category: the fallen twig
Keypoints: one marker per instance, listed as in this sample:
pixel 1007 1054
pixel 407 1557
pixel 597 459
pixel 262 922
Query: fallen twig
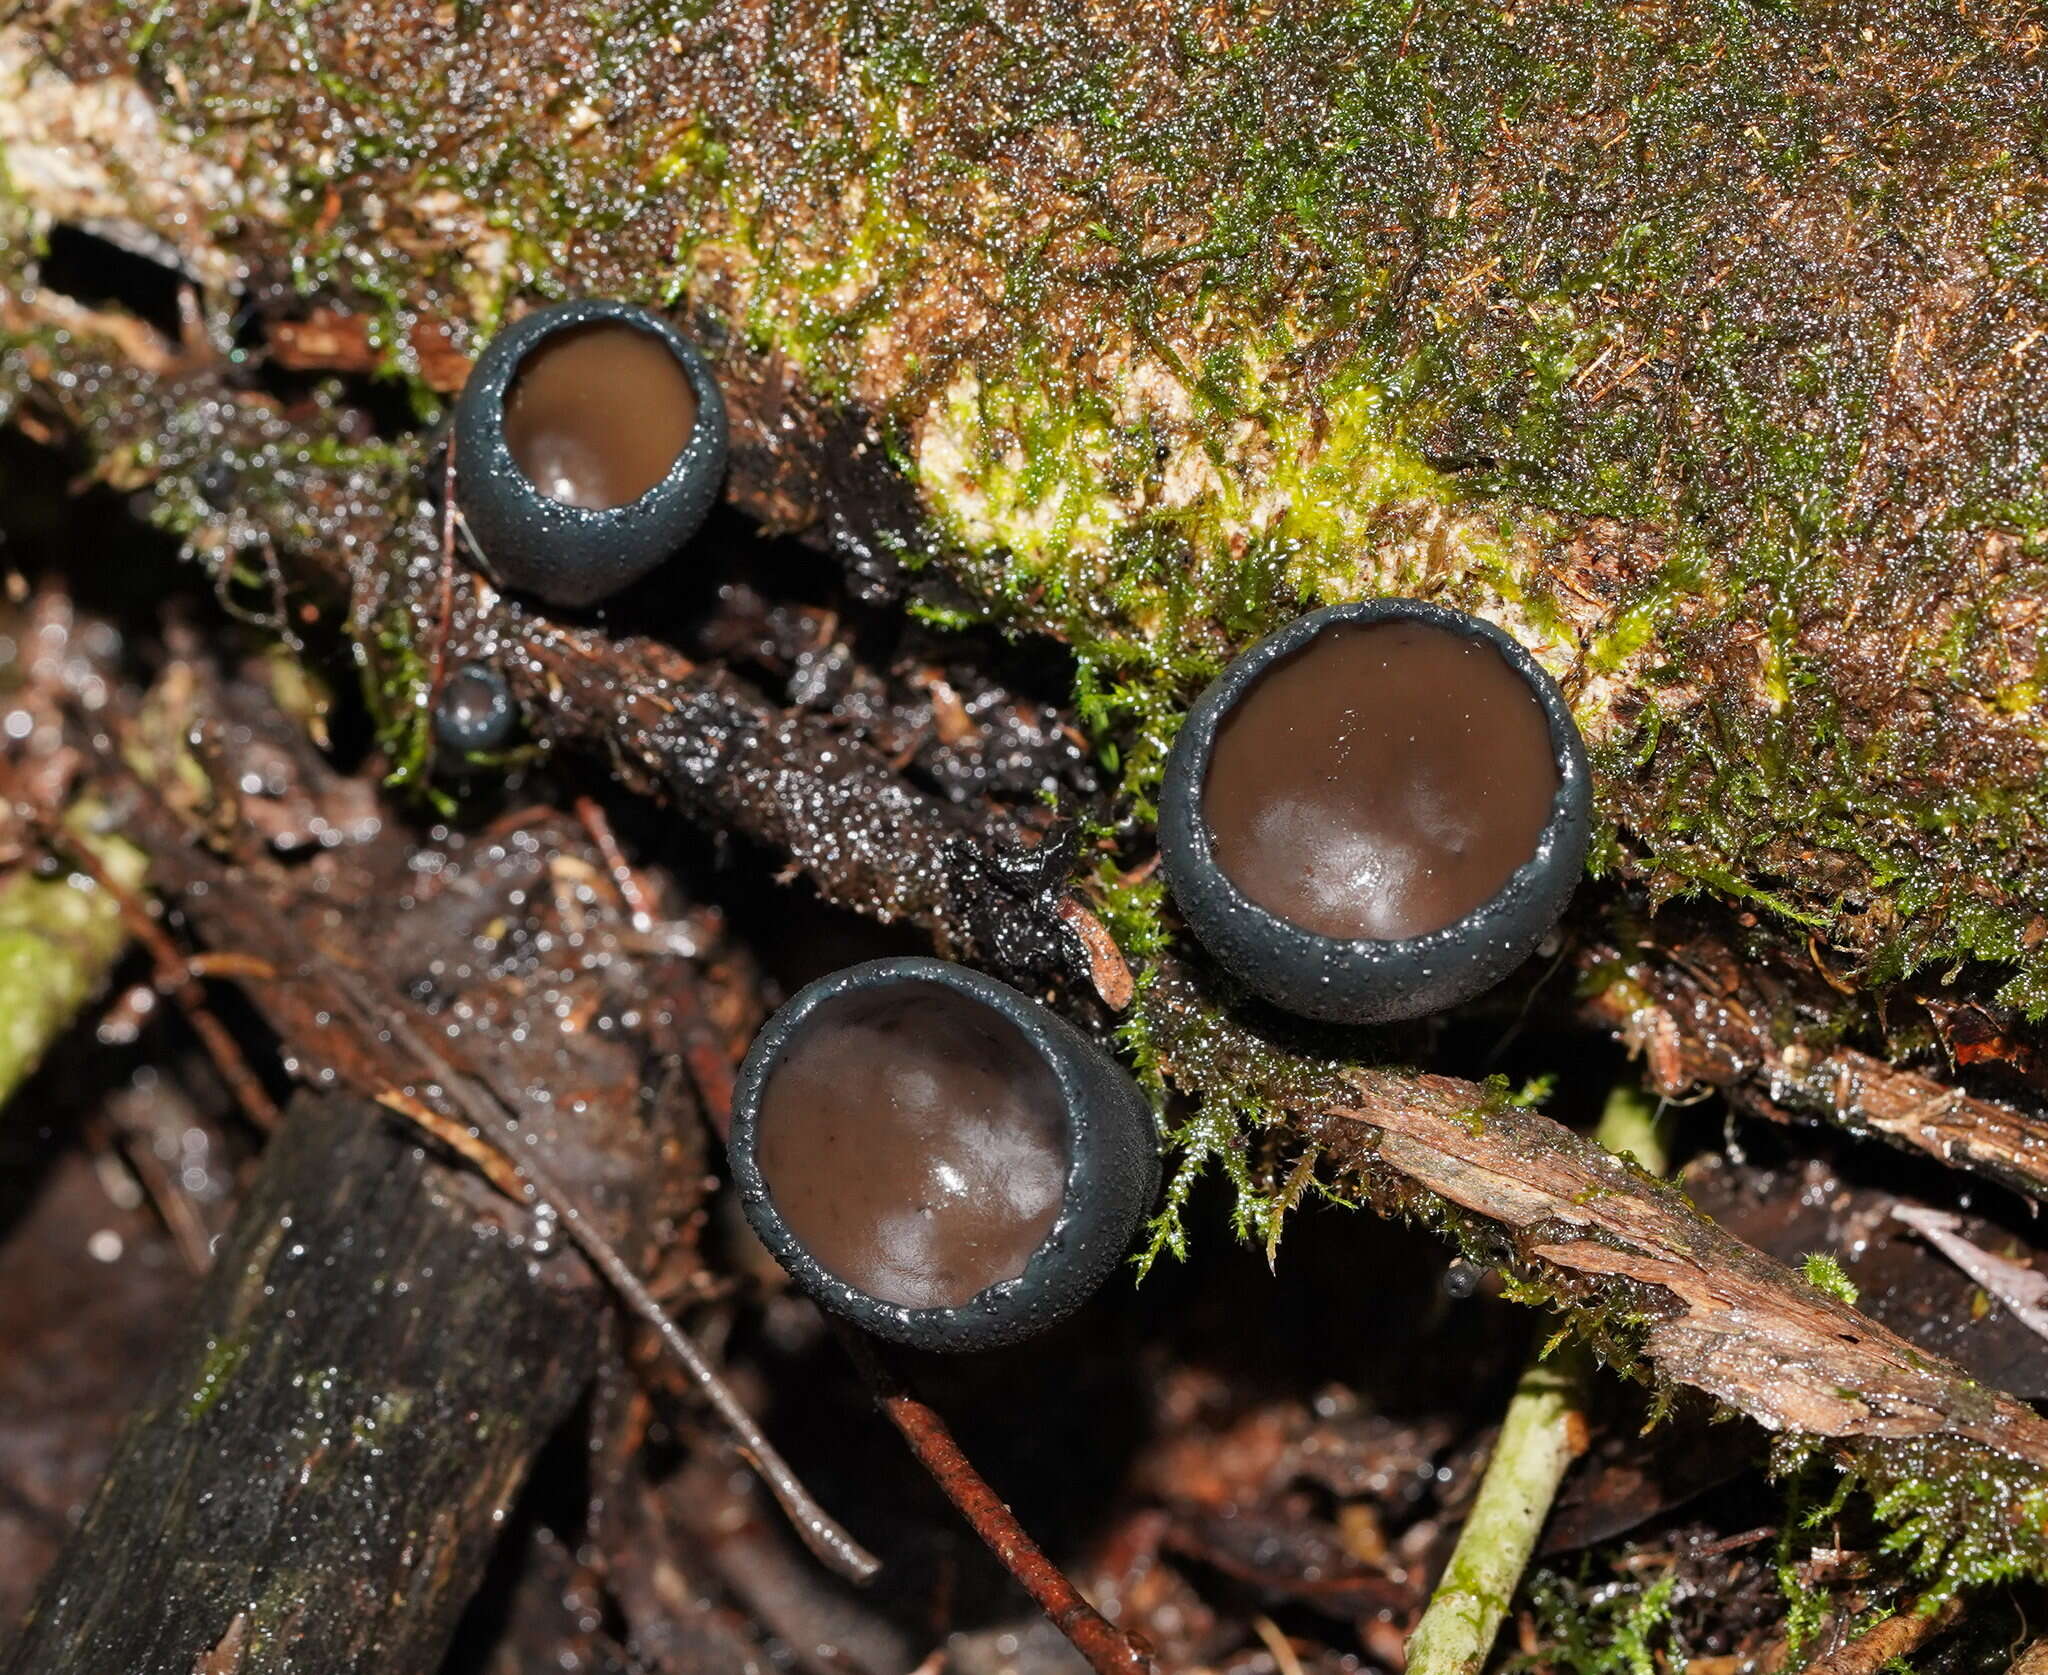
pixel 2019 1287
pixel 1541 1435
pixel 172 1203
pixel 1907 1630
pixel 1655 1000
pixel 1714 1312
pixel 486 1130
pixel 175 976
pixel 1108 1649
pixel 2032 1661
pixel 598 824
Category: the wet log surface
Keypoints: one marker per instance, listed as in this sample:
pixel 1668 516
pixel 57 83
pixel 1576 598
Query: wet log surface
pixel 317 1477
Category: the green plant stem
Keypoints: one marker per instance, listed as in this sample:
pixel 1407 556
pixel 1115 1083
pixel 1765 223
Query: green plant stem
pixel 1536 1445
pixel 59 938
pixel 1539 1438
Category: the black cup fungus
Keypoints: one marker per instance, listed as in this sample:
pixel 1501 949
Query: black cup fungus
pixel 1376 812
pixel 590 443
pixel 938 1158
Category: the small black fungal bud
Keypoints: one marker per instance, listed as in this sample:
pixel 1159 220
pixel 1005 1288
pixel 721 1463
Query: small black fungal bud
pixel 474 713
pixel 1461 1279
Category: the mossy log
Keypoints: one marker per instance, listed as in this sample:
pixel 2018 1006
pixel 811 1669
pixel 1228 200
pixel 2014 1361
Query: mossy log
pixel 1707 350
pixel 317 1477
pixel 1704 348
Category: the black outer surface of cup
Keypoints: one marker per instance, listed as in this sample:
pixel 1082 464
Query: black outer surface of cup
pixel 1112 1170
pixel 490 732
pixel 570 555
pixel 1366 980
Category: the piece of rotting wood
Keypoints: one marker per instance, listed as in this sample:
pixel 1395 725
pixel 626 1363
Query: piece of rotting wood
pixel 315 1480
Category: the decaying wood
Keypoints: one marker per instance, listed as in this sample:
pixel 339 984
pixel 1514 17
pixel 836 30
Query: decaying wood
pixel 511 1099
pixel 841 814
pixel 1708 1310
pixel 1700 1015
pixel 694 733
pixel 317 1476
pixel 806 457
pixel 1717 1314
pixel 529 965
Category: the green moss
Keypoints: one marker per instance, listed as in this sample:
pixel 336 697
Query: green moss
pixel 1240 1088
pixel 1806 1607
pixel 1154 531
pixel 397 676
pixel 1824 1273
pixel 1621 1627
pixel 224 1358
pixel 59 938
pixel 1956 1516
pixel 1972 1523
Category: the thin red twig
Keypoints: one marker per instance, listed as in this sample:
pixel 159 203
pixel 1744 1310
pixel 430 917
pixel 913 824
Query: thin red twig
pixel 440 668
pixel 1108 1649
pixel 599 827
pixel 174 977
pixel 172 1202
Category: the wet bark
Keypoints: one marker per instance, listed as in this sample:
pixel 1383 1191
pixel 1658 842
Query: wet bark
pixel 1703 1013
pixel 318 1476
